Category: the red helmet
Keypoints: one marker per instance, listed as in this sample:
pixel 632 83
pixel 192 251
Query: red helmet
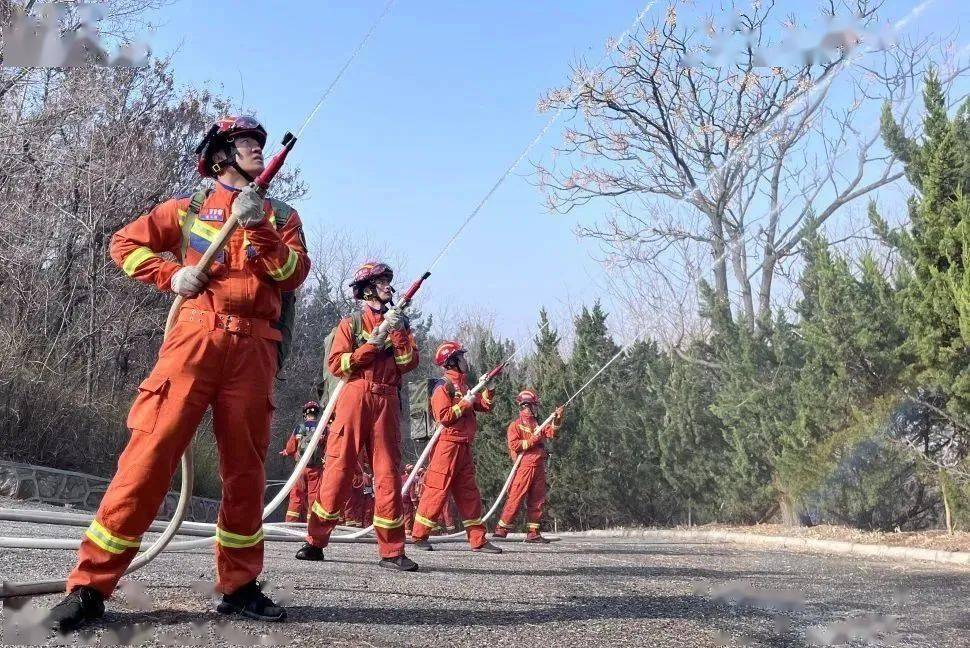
pixel 221 134
pixel 446 351
pixel 311 405
pixel 527 396
pixel 369 271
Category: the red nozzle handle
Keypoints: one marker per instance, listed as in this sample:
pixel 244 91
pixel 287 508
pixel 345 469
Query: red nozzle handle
pixel 496 371
pixel 414 288
pixel 263 179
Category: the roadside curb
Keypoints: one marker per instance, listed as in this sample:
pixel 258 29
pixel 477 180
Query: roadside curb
pixel 786 542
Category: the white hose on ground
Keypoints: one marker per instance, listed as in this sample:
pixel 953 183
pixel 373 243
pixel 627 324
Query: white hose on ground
pixel 185 495
pixel 206 529
pixel 56 586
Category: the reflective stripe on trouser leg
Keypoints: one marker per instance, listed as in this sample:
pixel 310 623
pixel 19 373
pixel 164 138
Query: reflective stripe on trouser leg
pixel 536 497
pixel 437 481
pixel 518 491
pixel 343 448
pixel 467 497
pixel 241 416
pixel 297 507
pixel 385 447
pixel 166 411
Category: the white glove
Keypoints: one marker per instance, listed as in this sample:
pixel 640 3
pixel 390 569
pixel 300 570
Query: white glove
pixel 394 319
pixel 377 338
pixel 189 281
pixel 248 207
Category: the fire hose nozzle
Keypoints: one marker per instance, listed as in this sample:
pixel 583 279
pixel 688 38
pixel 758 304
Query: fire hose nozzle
pixel 263 179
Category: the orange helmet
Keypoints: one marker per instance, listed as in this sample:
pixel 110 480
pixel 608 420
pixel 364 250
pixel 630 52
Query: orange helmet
pixel 369 271
pixel 221 136
pixel 311 406
pixel 446 351
pixel 527 396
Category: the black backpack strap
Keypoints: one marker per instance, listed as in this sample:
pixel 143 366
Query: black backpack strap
pixel 449 386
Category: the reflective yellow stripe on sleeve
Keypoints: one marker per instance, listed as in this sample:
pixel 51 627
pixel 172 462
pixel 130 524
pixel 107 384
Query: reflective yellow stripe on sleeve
pixel 137 257
pixel 345 363
pixel 525 444
pixel 404 359
pixel 108 541
pixel 284 273
pixel 456 409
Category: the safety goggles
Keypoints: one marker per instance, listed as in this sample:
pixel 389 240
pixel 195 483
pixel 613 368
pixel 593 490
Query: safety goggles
pixel 244 122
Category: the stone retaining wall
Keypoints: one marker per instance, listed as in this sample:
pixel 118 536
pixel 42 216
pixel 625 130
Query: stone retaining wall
pixel 82 492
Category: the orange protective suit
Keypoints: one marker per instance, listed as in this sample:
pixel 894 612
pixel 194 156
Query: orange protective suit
pixel 221 353
pixel 306 485
pixel 354 510
pixel 451 466
pixel 529 482
pixel 309 480
pixel 366 424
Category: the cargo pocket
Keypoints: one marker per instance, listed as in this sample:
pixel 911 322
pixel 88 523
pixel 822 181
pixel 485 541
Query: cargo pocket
pixel 334 442
pixel 435 479
pixel 152 393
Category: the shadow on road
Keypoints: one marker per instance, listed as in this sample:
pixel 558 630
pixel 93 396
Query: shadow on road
pixel 640 571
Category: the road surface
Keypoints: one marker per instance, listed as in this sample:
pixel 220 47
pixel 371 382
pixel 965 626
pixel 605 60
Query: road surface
pixel 577 592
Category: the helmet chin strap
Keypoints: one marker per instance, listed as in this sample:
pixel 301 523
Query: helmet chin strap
pixel 232 159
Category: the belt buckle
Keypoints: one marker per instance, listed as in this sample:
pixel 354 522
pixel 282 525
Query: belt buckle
pixel 232 324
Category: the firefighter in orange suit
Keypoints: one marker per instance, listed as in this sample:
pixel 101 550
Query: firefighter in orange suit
pixel 221 353
pixel 451 466
pixel 529 483
pixel 366 422
pixel 309 480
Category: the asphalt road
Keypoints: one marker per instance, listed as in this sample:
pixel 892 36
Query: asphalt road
pixel 574 592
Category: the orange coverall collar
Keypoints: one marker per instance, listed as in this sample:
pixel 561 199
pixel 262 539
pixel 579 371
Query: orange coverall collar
pixel 456 377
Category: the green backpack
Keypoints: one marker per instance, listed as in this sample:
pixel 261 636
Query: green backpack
pixel 328 382
pixel 422 423
pixel 281 213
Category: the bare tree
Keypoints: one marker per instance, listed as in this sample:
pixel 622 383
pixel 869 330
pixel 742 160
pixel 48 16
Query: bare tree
pixel 730 153
pixel 83 151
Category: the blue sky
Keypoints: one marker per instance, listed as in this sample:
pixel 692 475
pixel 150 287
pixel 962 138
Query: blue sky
pixel 438 104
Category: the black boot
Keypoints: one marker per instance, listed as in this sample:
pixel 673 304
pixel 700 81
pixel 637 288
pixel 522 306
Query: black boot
pixel 309 552
pixel 249 601
pixel 82 604
pixel 400 563
pixel 422 545
pixel 488 548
